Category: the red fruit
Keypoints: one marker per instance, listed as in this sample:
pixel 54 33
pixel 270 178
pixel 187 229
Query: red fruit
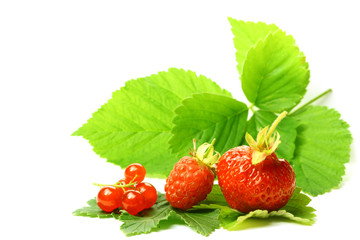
pixel 109 198
pixel 192 178
pixel 149 192
pixel 133 202
pixel 135 172
pixel 252 177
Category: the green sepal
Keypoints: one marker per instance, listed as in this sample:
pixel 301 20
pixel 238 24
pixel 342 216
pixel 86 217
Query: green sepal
pixel 266 143
pixel 206 154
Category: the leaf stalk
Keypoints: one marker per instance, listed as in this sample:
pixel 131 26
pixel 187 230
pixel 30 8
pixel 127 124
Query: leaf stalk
pixel 311 101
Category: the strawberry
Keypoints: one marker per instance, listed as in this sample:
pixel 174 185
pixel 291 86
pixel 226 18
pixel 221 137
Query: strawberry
pixel 192 178
pixel 252 177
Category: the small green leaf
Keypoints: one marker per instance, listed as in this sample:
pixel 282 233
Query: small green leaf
pixel 93 211
pixel 201 221
pixel 275 74
pixel 246 35
pixel 296 210
pixel 135 124
pixel 298 206
pixel 264 214
pixel 205 117
pixel 286 128
pixel 322 148
pixel 148 219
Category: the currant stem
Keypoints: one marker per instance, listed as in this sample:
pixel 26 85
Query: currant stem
pixel 133 179
pixel 130 184
pixel 115 185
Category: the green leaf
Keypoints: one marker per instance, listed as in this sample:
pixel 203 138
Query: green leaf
pixel 322 148
pixel 135 124
pixel 286 128
pixel 93 211
pixel 208 116
pixel 296 210
pixel 203 221
pixel 203 218
pixel 275 74
pixel 246 35
pixel 238 224
pixel 147 219
pixel 298 206
pixel 215 197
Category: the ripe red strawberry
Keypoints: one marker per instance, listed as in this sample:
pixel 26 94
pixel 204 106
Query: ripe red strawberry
pixel 192 178
pixel 252 177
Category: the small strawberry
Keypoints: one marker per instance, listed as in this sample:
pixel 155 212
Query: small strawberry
pixel 192 178
pixel 252 177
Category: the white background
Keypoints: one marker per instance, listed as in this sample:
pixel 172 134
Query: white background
pixel 61 60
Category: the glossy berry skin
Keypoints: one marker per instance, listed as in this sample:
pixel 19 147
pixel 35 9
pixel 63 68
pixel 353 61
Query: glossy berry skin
pixel 149 192
pixel 109 198
pixel 189 182
pixel 133 202
pixel 135 169
pixel 267 185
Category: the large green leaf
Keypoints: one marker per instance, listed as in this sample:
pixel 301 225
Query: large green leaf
pixel 246 35
pixel 207 116
pixel 134 125
pixel 201 221
pixel 286 128
pixel 322 148
pixel 275 74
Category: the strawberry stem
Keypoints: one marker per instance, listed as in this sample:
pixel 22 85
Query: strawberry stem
pixel 251 107
pixel 274 124
pixel 267 141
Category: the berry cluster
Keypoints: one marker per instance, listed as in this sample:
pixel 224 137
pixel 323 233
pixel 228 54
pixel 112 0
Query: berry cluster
pixel 130 193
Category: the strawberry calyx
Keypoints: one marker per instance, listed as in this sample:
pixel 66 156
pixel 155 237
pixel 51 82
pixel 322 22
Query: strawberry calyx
pixel 205 154
pixel 267 141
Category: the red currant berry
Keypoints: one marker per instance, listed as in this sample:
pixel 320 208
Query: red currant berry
pixel 135 169
pixel 149 192
pixel 109 198
pixel 123 182
pixel 133 202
